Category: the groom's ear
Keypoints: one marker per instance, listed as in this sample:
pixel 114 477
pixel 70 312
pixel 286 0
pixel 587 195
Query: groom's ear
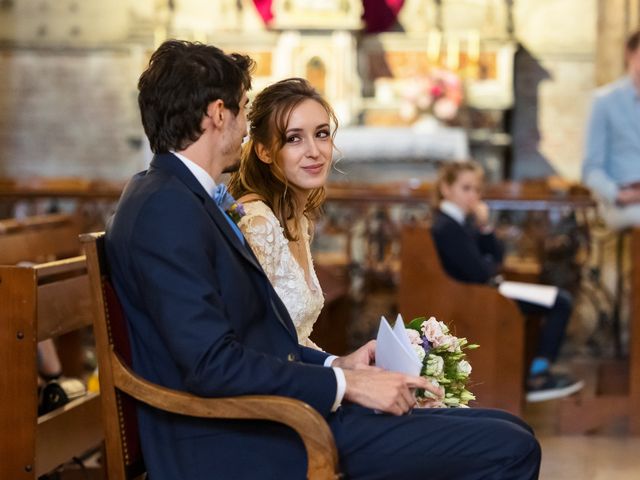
pixel 263 153
pixel 215 113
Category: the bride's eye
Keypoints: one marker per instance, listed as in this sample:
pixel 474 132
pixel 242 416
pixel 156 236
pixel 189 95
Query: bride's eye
pixel 323 134
pixel 292 138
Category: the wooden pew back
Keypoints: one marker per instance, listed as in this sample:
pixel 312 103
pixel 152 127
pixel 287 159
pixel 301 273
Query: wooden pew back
pixel 477 312
pixel 40 302
pixel 39 238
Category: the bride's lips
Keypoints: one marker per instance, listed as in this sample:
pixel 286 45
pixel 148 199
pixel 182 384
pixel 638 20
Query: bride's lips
pixel 314 169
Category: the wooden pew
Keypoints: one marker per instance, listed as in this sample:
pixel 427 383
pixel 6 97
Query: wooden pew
pixel 477 312
pixel 617 395
pixel 39 238
pixel 40 302
pixel 330 331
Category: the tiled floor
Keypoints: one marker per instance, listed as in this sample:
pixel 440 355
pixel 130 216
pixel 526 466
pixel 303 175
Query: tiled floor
pixel 610 454
pixel 590 458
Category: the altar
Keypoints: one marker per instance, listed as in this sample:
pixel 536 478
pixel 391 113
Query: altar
pixel 369 153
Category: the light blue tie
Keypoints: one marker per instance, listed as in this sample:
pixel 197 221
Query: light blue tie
pixel 224 200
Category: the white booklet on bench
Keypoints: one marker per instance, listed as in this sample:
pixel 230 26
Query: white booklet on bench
pixel 544 295
pixel 393 349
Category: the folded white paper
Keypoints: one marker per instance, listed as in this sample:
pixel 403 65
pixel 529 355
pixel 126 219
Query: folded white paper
pixel 393 349
pixel 544 295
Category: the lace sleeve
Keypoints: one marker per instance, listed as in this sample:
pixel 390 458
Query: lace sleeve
pixel 260 233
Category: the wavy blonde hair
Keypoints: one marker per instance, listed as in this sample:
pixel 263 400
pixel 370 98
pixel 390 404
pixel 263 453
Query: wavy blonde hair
pixel 268 119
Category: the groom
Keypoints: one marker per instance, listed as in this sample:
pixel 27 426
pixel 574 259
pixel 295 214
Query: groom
pixel 204 318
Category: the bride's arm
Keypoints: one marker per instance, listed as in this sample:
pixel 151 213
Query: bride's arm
pixel 260 234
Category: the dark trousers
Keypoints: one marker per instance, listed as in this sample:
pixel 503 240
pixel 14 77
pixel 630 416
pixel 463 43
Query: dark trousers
pixel 433 444
pixel 447 444
pixel 554 323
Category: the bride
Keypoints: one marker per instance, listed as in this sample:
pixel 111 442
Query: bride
pixel 280 184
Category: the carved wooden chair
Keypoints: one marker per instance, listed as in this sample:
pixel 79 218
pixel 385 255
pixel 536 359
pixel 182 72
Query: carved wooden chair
pixel 477 312
pixel 121 388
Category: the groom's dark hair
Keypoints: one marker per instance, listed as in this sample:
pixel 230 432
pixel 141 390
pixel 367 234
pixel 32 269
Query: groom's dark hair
pixel 182 79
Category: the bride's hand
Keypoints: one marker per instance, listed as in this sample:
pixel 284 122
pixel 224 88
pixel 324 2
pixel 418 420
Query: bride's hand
pixel 362 358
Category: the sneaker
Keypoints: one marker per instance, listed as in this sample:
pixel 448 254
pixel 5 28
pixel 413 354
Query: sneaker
pixel 549 386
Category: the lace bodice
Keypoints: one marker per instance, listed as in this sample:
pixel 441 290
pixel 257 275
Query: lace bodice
pixel 303 298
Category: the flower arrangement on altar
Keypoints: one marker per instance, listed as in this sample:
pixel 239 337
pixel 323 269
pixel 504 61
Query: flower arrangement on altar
pixel 443 362
pixel 439 94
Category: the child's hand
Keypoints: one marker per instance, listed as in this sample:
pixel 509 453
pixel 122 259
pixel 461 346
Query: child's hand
pixel 481 214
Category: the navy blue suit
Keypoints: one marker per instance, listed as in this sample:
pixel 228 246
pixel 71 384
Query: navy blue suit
pixel 204 318
pixel 468 255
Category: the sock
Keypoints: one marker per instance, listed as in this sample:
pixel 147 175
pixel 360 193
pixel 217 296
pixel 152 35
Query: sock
pixel 539 365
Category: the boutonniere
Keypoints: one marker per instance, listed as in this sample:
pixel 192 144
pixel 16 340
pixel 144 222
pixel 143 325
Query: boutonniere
pixel 226 202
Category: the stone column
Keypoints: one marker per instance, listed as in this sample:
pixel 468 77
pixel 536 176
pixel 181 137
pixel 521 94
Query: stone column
pixel 616 19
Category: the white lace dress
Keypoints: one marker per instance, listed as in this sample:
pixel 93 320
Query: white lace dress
pixel 303 299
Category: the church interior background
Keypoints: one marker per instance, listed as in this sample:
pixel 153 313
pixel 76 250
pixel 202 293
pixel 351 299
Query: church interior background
pixel 414 83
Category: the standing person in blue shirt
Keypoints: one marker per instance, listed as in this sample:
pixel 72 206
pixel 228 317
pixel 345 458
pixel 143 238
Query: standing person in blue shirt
pixel 612 161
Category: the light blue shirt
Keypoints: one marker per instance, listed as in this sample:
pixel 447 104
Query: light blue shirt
pixel 612 156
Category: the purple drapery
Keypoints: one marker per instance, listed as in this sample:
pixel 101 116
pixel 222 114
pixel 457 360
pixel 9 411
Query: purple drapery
pixel 378 16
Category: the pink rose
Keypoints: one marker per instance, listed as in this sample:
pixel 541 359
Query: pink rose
pixel 433 331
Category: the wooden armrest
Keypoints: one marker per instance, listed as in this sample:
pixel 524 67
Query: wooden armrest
pixel 309 424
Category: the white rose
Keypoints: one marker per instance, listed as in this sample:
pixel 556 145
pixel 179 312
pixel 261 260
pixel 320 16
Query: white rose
pixel 419 351
pixel 445 109
pixel 444 327
pixel 464 368
pixel 435 365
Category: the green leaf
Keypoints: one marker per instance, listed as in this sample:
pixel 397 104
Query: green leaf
pixel 416 323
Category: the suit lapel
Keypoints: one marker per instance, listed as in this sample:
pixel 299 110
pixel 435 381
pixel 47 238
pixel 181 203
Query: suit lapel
pixel 176 167
pixel 171 163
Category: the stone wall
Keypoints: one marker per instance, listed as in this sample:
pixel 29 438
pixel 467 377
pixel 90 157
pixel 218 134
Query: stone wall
pixel 70 110
pixel 69 113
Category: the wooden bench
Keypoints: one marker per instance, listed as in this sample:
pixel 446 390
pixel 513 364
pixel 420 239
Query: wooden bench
pixel 477 312
pixel 39 238
pixel 39 302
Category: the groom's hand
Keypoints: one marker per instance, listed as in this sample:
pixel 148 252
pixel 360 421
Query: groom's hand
pixel 388 392
pixel 362 358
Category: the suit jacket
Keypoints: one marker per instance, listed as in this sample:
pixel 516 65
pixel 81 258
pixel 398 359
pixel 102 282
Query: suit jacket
pixel 466 254
pixel 203 318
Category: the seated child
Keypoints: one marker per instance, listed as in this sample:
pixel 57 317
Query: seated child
pixel 470 252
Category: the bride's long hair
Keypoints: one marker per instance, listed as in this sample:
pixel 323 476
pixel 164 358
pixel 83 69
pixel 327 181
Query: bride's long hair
pixel 268 119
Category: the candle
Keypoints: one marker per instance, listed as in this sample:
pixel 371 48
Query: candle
pixel 453 53
pixel 473 46
pixel 433 47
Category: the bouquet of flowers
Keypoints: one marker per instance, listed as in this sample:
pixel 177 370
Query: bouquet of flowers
pixel 443 362
pixel 440 94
